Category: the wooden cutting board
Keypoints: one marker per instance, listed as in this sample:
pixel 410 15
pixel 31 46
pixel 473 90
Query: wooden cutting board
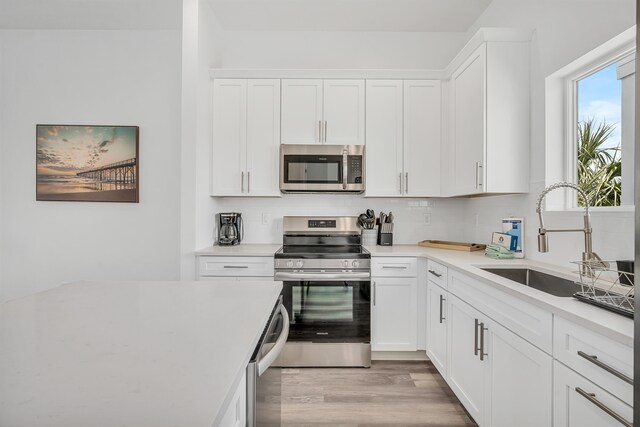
pixel 456 246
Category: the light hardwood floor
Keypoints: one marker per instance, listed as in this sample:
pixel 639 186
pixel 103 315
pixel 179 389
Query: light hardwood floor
pixel 389 393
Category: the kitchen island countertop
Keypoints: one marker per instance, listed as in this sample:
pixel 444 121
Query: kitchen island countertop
pixel 128 353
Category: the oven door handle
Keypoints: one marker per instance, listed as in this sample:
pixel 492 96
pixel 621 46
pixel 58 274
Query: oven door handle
pixel 319 276
pixel 271 356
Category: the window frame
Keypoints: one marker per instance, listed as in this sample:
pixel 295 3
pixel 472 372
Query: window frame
pixel 561 118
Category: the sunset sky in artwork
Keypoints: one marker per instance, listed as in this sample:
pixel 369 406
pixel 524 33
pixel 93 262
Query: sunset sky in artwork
pixel 67 150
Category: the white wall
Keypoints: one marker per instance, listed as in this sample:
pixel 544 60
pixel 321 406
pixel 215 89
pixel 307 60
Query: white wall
pixel 88 77
pixel 564 31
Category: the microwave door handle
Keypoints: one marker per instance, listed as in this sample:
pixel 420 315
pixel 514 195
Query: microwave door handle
pixel 273 354
pixel 344 168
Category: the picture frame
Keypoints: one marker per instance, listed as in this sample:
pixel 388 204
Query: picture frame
pixel 87 163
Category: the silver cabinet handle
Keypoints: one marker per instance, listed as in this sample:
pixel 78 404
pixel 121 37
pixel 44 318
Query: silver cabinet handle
pixel 394 267
pixel 345 160
pixel 482 329
pixel 478 175
pixel 400 182
pixel 325 131
pixel 475 338
pixel 319 130
pixel 406 182
pixel 435 273
pixel 374 293
pixel 271 356
pixel 242 182
pixel 248 182
pixel 615 372
pixel 442 299
pixel 236 266
pixel 591 397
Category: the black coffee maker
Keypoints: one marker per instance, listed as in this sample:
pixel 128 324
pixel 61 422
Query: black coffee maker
pixel 230 229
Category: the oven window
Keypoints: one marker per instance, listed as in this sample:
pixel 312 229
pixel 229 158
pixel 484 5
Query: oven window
pixel 313 169
pixel 322 303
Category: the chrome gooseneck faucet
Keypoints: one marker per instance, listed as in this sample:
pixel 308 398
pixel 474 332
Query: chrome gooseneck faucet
pixel 588 256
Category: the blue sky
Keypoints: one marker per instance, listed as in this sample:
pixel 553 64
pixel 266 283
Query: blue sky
pixel 599 97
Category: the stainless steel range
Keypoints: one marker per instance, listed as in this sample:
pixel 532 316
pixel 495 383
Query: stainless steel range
pixel 326 276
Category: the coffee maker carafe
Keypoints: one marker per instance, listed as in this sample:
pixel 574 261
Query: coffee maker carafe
pixel 230 230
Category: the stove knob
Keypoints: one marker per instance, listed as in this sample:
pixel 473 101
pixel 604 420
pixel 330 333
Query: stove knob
pixel 290 264
pixel 345 263
pixel 299 264
pixel 355 264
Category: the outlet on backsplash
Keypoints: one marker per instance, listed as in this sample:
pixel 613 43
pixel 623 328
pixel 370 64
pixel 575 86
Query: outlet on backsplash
pixel 266 218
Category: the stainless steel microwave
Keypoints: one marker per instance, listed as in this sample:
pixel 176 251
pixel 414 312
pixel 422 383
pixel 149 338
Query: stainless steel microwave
pixel 321 168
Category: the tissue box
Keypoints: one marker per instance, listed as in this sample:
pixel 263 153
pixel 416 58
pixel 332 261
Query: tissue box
pixel 505 240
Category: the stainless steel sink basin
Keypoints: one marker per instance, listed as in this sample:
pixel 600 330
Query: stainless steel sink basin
pixel 541 281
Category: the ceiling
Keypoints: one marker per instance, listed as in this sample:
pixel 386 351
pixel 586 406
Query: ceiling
pixel 348 15
pixel 91 14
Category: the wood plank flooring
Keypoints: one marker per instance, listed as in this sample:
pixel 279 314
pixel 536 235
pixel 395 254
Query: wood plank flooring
pixel 390 393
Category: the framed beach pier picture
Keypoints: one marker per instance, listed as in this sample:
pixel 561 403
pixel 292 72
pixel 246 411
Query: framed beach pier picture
pixel 87 163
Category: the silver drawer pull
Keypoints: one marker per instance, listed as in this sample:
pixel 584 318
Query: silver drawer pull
pixel 391 267
pixel 236 266
pixel 595 361
pixel 435 274
pixel 442 299
pixel 591 397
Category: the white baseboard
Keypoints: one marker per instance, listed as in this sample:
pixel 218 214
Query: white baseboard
pixel 399 355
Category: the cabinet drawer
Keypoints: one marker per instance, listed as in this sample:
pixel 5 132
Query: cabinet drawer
pixel 530 322
pixel 437 273
pixel 580 403
pixel 602 360
pixel 394 267
pixel 235 266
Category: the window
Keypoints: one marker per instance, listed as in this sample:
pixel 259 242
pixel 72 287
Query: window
pixel 599 149
pixel 590 126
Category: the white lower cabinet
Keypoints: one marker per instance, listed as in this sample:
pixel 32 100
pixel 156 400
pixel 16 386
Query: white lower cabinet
pixel 394 314
pixel 580 403
pixel 501 379
pixel 236 413
pixel 466 372
pixel 437 326
pixel 519 387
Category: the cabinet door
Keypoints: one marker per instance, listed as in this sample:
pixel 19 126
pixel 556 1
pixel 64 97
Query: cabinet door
pixel 263 137
pixel 469 117
pixel 520 386
pixel 229 137
pixel 343 112
pixel 301 111
pixel 384 138
pixel 576 398
pixel 394 314
pixel 422 133
pixel 437 327
pixel 466 372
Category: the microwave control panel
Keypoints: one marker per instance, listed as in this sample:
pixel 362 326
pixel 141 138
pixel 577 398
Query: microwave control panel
pixel 354 169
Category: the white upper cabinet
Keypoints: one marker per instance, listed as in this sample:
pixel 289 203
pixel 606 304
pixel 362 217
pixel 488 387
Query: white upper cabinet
pixel 246 137
pixel 422 122
pixel 384 138
pixel 229 136
pixel 302 111
pixel 488 147
pixel 403 138
pixel 323 111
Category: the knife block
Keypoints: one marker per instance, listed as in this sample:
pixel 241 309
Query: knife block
pixel 385 234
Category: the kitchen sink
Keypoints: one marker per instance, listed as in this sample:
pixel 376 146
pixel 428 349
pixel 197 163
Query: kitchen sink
pixel 541 281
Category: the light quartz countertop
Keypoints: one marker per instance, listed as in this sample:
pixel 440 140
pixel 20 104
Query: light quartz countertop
pixel 243 249
pixel 128 353
pixel 613 325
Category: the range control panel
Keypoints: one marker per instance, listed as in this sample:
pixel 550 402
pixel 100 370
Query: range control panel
pixel 322 223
